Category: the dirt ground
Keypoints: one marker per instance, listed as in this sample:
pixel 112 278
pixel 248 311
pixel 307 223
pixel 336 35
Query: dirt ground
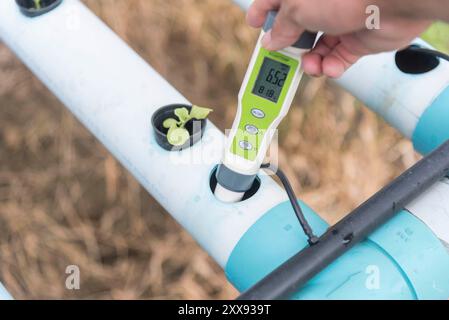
pixel 64 200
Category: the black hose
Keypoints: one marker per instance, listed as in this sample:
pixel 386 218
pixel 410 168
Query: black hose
pixel 434 53
pixel 311 237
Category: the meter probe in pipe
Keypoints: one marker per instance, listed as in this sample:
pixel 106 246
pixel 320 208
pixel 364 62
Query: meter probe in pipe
pixel 265 97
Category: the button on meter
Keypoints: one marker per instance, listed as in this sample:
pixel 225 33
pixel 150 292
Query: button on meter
pixel 245 145
pixel 251 129
pixel 258 113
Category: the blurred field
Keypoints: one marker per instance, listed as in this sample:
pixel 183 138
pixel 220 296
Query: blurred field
pixel 64 200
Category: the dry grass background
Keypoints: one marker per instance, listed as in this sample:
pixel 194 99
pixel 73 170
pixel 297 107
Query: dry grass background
pixel 64 200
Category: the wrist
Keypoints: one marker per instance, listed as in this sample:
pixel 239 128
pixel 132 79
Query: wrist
pixel 413 9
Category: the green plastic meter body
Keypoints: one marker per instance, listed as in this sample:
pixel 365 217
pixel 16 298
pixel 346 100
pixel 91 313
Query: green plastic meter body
pixel 264 100
pixel 265 97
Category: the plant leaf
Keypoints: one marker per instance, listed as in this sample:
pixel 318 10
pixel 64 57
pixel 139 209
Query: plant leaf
pixel 182 114
pixel 170 122
pixel 177 136
pixel 200 113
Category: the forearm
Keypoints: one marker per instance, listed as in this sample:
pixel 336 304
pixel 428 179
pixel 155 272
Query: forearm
pixel 419 9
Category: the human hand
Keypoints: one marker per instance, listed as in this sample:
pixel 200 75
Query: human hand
pixel 346 37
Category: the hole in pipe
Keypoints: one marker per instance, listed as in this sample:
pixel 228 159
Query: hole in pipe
pixel 34 8
pixel 248 194
pixel 196 128
pixel 348 239
pixel 412 62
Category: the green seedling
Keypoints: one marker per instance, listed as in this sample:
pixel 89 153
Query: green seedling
pixel 177 134
pixel 37 4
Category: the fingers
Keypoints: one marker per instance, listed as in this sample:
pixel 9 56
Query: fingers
pixel 313 61
pixel 330 57
pixel 284 33
pixel 312 64
pixel 257 13
pixel 339 60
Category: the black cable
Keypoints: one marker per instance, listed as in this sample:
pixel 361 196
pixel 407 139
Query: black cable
pixel 312 238
pixel 435 53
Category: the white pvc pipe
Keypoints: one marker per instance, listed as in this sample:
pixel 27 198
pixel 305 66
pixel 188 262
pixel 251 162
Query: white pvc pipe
pixel 244 4
pixel 433 209
pixel 398 97
pixel 114 93
pixel 4 295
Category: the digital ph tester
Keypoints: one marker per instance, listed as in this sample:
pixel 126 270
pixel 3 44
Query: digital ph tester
pixel 265 97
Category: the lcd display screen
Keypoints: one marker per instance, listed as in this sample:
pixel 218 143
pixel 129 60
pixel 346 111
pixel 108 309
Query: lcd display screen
pixel 271 79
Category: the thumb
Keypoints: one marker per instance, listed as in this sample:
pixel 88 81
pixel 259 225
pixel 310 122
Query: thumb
pixel 284 33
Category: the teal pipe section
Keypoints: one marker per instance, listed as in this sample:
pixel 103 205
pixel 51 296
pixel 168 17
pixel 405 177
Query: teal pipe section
pixel 433 126
pixel 402 260
pixel 274 238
